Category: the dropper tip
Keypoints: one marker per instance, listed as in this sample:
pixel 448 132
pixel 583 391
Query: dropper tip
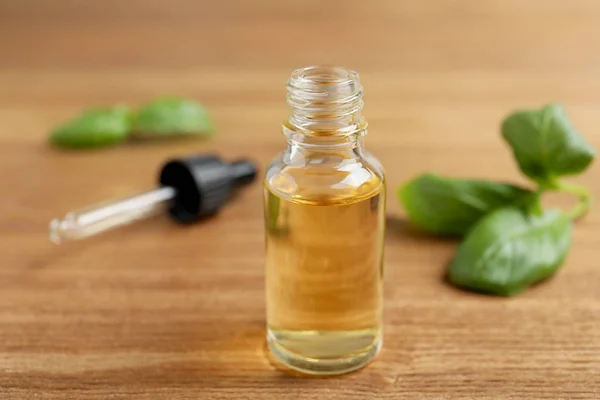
pixel 63 230
pixel 55 231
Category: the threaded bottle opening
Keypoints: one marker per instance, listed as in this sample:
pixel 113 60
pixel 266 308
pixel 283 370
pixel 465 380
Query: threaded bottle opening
pixel 325 98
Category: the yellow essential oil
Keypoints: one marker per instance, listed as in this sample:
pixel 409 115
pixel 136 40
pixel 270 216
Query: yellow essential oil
pixel 324 221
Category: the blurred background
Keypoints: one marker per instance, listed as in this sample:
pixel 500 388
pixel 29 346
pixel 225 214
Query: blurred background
pixel 437 71
pixel 439 76
pixel 387 35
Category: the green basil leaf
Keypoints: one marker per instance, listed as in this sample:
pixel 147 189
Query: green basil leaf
pixel 509 250
pixel 172 117
pixel 447 206
pixel 545 144
pixel 94 128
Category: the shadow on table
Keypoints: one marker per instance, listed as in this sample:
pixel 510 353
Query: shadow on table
pixel 398 228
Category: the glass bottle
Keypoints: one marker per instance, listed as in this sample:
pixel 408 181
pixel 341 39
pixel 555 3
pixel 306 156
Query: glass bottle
pixel 325 226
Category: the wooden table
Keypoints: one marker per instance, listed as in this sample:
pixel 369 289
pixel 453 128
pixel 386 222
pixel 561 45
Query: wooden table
pixel 157 311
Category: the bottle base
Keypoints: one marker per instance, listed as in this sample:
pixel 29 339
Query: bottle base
pixel 319 356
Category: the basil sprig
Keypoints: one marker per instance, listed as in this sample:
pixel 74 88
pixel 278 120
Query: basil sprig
pixel 167 117
pixel 510 242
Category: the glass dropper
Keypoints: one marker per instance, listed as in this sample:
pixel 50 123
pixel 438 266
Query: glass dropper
pixel 190 189
pixel 102 217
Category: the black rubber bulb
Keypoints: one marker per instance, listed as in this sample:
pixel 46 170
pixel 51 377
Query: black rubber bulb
pixel 203 184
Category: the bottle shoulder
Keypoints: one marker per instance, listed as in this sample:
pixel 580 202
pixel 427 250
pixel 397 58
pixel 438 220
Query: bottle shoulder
pixel 327 179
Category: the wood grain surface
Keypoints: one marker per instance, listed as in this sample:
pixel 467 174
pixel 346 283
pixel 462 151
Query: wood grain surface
pixel 158 311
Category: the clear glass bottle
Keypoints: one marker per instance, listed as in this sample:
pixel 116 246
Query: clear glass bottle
pixel 325 226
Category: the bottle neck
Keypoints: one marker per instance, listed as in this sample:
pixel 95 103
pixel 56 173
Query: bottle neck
pixel 326 104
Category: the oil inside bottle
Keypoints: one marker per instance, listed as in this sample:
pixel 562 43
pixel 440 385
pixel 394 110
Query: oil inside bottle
pixel 324 267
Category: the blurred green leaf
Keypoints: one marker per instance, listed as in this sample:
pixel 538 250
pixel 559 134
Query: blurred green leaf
pixel 94 128
pixel 172 117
